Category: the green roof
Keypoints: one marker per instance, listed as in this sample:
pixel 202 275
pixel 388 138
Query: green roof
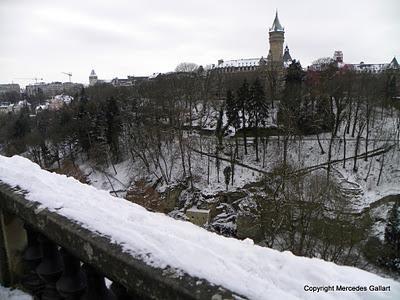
pixel 276 26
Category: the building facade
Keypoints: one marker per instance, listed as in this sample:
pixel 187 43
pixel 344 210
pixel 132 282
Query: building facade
pixel 375 68
pixel 130 81
pixel 9 88
pixel 276 54
pixel 365 67
pixel 52 89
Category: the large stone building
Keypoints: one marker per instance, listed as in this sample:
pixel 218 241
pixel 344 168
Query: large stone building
pixel 53 88
pixel 276 54
pixel 117 82
pixel 129 81
pixel 375 68
pixel 9 88
pixel 360 67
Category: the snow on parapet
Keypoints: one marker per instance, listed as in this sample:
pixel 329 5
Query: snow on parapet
pixel 160 241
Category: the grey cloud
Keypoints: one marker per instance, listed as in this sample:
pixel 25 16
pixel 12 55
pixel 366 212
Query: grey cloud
pixel 124 36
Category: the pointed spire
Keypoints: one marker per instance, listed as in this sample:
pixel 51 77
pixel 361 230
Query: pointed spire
pixel 276 26
pixel 286 55
pixel 394 64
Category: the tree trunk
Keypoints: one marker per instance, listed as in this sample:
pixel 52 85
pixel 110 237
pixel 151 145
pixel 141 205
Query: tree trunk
pixel 208 168
pixel 381 169
pixel 328 170
pixel 360 131
pixel 320 146
pixel 367 133
pixel 244 132
pixel 256 142
pixel 355 118
pixel 344 145
pixel 182 152
pixel 189 155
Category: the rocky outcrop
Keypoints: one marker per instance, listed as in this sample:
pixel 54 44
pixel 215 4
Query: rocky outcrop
pixel 145 194
pixel 248 226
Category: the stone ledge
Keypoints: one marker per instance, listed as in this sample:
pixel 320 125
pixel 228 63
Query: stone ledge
pixel 109 258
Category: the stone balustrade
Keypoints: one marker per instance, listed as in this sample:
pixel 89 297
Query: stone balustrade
pixel 52 257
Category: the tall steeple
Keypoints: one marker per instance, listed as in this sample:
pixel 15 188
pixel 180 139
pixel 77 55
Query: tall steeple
pixel 92 78
pixel 276 40
pixel 276 26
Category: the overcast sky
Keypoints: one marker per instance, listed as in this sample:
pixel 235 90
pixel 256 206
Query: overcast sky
pixel 42 38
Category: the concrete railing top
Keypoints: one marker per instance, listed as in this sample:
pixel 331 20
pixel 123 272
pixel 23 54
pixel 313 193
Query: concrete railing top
pixel 107 256
pixel 154 255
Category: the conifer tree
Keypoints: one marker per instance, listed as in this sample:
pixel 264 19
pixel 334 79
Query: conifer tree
pixel 243 96
pixel 392 239
pixel 82 121
pixel 113 123
pixel 258 110
pixel 232 113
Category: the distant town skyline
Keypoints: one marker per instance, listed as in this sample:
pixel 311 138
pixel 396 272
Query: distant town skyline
pixel 42 39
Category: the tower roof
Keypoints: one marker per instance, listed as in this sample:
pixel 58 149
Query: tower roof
pixel 286 55
pixel 394 64
pixel 276 26
pixel 92 73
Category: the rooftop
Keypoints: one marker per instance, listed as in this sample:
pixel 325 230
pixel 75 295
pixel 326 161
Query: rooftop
pixel 276 26
pixel 239 63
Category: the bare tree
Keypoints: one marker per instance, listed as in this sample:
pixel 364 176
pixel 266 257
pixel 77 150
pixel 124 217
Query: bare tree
pixel 186 67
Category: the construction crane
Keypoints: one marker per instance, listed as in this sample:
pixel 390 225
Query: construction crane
pixel 69 75
pixel 30 78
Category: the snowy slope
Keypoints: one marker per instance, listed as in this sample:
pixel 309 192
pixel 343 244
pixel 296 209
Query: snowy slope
pixel 253 271
pixel 9 294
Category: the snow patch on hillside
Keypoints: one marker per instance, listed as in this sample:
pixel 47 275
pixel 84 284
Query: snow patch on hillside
pixel 13 294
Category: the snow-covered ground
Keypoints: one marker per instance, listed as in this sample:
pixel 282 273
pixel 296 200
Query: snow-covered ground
pixel 302 152
pixel 13 294
pixel 160 241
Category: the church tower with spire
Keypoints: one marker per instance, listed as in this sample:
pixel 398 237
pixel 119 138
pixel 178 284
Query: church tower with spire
pixel 276 40
pixel 92 78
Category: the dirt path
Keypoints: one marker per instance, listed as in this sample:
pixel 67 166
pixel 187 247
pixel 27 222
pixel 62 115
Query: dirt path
pixel 380 202
pixel 371 153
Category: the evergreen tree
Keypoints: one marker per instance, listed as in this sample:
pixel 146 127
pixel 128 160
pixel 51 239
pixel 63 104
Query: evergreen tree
pixel 392 239
pixel 289 110
pixel 21 126
pixel 83 121
pixel 232 110
pixel 243 97
pixel 391 88
pixel 114 126
pixel 227 176
pixel 232 113
pixel 293 87
pixel 20 129
pixel 258 110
